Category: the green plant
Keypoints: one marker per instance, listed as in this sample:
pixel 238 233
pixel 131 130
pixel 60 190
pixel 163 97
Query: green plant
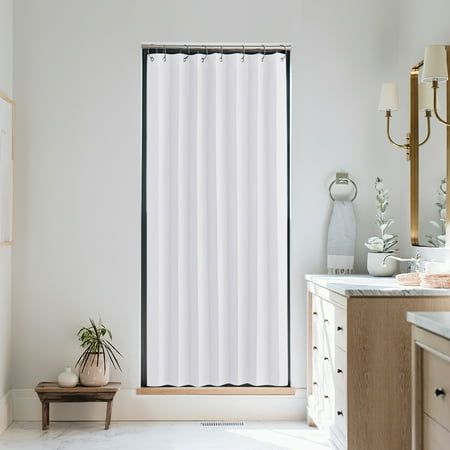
pixel 386 242
pixel 96 340
pixel 440 239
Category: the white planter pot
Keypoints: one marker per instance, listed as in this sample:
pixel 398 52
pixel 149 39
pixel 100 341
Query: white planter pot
pixel 376 268
pixel 93 374
pixel 67 378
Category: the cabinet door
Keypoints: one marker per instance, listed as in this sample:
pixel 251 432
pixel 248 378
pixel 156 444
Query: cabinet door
pixel 436 388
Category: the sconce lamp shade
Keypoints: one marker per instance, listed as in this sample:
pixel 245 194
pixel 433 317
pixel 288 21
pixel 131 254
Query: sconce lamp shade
pixel 426 97
pixel 435 64
pixel 388 97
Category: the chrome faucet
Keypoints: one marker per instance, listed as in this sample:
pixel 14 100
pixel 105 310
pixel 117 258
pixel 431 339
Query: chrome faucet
pixel 415 260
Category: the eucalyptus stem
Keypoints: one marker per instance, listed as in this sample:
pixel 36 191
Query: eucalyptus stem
pixel 386 242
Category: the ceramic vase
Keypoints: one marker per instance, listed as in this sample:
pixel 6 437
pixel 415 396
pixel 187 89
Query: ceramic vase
pixel 376 268
pixel 67 378
pixel 94 373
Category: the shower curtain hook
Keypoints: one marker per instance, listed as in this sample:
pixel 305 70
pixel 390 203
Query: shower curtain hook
pixel 150 56
pixel 243 54
pixel 221 53
pixel 165 54
pixel 206 53
pixel 264 53
pixel 188 54
pixel 285 52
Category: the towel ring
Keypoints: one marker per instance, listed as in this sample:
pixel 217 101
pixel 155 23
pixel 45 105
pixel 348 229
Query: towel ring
pixel 342 179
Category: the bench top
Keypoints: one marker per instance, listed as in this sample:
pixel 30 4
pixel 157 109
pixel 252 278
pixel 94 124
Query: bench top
pixel 53 387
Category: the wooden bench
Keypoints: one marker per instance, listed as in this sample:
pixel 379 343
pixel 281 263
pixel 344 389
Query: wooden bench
pixel 50 392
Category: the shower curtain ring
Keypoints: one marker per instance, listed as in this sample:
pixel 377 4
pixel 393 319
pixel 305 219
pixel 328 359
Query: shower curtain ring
pixel 285 52
pixel 243 54
pixel 206 53
pixel 221 53
pixel 264 53
pixel 165 54
pixel 188 53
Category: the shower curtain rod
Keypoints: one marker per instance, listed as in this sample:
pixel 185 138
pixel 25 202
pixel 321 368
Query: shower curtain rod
pixel 215 48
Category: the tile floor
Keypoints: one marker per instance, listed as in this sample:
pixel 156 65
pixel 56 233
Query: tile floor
pixel 163 436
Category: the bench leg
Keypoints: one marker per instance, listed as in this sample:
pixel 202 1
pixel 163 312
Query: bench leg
pixel 45 415
pixel 108 414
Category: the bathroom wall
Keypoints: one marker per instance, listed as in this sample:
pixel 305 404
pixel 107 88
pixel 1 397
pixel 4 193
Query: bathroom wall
pixel 77 77
pixel 6 87
pixel 421 24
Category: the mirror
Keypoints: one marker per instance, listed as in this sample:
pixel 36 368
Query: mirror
pixel 429 162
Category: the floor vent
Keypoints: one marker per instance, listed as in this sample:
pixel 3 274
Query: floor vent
pixel 217 423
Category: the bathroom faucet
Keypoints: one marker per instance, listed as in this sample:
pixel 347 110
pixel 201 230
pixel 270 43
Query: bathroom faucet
pixel 415 260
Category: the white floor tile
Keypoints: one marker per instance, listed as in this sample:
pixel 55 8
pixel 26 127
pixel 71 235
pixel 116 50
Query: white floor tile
pixel 163 436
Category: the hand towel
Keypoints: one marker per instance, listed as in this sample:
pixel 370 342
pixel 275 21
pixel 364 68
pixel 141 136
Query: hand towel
pixel 341 238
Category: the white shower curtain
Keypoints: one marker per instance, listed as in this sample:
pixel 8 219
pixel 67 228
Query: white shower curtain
pixel 217 220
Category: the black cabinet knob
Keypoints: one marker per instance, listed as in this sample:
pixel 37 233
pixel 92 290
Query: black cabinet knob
pixel 439 392
pixel 326 396
pixel 339 329
pixel 325 320
pixel 326 358
pixel 315 348
pixel 340 413
pixel 315 313
pixel 339 371
pixel 314 383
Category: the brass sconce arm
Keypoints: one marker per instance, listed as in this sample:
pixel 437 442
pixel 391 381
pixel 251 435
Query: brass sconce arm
pixel 435 86
pixel 388 131
pixel 428 116
pixel 407 145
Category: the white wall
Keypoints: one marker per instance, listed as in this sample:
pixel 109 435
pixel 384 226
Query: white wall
pixel 78 88
pixel 6 87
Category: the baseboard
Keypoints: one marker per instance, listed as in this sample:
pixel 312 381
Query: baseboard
pixel 128 407
pixel 6 411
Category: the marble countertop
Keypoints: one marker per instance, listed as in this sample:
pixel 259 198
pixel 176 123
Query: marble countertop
pixel 368 286
pixel 436 322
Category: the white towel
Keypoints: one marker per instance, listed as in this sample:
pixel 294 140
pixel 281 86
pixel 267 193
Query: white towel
pixel 341 238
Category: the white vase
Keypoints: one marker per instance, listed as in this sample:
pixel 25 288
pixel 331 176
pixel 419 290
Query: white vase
pixel 375 265
pixel 67 378
pixel 94 373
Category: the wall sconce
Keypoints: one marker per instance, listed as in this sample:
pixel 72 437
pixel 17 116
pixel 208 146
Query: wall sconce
pixel 389 102
pixel 435 70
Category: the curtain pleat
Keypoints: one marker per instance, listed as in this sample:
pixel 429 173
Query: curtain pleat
pixel 217 220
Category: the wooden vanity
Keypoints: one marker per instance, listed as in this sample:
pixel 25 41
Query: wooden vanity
pixel 430 380
pixel 359 358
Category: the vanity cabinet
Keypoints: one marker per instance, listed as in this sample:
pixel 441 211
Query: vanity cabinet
pixel 430 381
pixel 359 359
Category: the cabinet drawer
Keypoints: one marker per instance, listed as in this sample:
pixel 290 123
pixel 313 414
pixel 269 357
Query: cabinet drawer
pixel 435 437
pixel 340 372
pixel 436 388
pixel 315 399
pixel 317 357
pixel 340 327
pixel 317 308
pixel 328 330
pixel 340 416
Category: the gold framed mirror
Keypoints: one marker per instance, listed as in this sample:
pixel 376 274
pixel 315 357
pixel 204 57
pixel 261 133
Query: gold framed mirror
pixel 430 166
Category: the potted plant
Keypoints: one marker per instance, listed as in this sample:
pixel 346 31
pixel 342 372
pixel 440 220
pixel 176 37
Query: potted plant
pixel 98 352
pixel 384 245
